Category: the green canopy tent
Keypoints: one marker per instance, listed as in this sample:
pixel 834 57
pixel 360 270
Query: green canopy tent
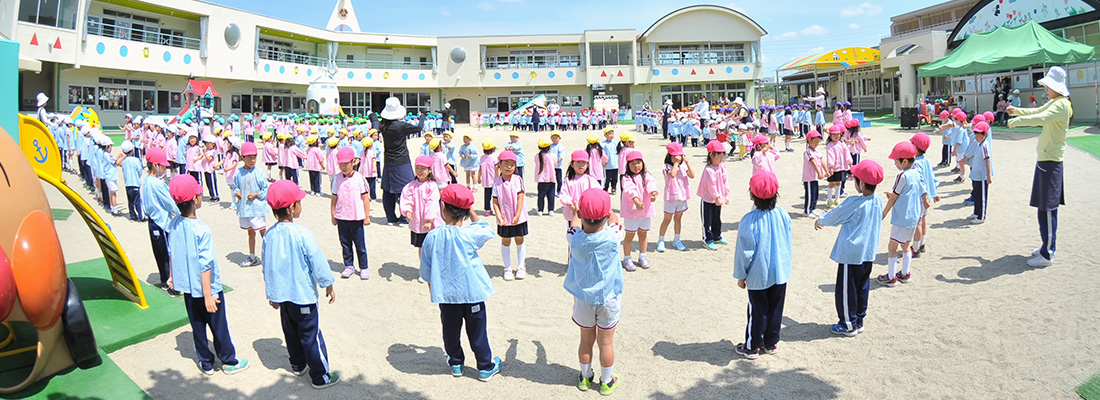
pixel 1006 49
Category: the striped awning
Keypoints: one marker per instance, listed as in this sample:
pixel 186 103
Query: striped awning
pixel 843 57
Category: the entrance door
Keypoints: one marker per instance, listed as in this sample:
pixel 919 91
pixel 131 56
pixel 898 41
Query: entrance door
pixel 246 104
pixel 461 109
pixel 162 101
pixel 502 104
pixel 378 100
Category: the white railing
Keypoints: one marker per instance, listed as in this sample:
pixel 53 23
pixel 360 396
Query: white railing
pixel 125 32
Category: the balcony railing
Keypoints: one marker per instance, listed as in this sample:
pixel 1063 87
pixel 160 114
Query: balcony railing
pixel 126 32
pixel 375 64
pixel 644 62
pixel 288 57
pixel 560 62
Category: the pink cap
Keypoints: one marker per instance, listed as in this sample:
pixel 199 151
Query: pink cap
pixel 715 146
pixel 944 114
pixel 989 114
pixel 248 149
pixel 764 184
pixel 977 118
pixel 674 149
pixel 981 127
pixel 959 114
pixel 507 155
pixel 345 154
pixel 422 161
pixel 921 140
pixel 836 129
pixel 852 123
pixel 868 171
pixel 632 155
pixel 759 139
pixel 156 156
pixel 903 150
pixel 457 195
pixel 813 134
pixel 283 194
pixel 594 204
pixel 580 155
pixel 184 188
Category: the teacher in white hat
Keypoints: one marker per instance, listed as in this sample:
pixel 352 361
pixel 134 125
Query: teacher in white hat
pixel 42 100
pixel 398 170
pixel 1046 188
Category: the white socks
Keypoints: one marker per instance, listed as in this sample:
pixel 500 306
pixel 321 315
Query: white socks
pixel 906 259
pixel 605 374
pixel 893 263
pixel 506 254
pixel 522 253
pixel 676 237
pixel 660 239
pixel 586 371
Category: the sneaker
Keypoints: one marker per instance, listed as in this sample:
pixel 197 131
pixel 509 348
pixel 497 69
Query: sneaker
pixel 551 212
pixel 643 261
pixel 751 354
pixel 456 371
pixel 679 245
pixel 628 264
pixel 661 247
pixel 904 278
pixel 207 371
pixel 921 248
pixel 247 262
pixel 540 213
pixel 976 221
pixel 584 383
pixel 886 281
pixel 771 350
pixel 241 365
pixel 508 275
pixel 972 216
pixel 721 241
pixel 710 246
pixel 333 378
pixel 843 195
pixel 1035 253
pixel 173 292
pixel 839 329
pixel 348 272
pixel 364 274
pixel 607 388
pixel 300 372
pixel 521 272
pixel 485 375
pixel 1038 261
pixel 954 170
pixel 860 329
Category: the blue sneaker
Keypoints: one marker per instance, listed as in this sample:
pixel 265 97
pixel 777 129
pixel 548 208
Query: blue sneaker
pixel 679 245
pixel 722 241
pixel 839 329
pixel 485 375
pixel 710 246
pixel 456 371
pixel 242 364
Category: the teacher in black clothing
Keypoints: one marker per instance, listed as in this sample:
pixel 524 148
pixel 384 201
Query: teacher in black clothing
pixel 398 170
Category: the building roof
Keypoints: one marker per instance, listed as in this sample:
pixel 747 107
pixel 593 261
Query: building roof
pixel 842 57
pixel 200 87
pixel 704 7
pixel 947 5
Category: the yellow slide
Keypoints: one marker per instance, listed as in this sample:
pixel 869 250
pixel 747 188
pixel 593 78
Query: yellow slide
pixel 41 150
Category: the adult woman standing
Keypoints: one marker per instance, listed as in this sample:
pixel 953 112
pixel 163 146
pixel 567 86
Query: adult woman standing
pixel 398 169
pixel 1046 188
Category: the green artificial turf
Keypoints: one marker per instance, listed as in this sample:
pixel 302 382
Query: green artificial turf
pixel 103 381
pixel 1090 144
pixel 61 214
pixel 1090 390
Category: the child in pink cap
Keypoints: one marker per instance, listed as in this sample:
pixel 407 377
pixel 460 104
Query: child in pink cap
pixel 578 178
pixel 350 207
pixel 294 157
pixel 368 164
pixel 714 192
pixel 231 162
pixel 636 205
pixel 271 154
pixel 508 191
pixel 763 155
pixel 250 196
pixel 677 193
pixel 315 163
pixel 420 202
pixel 544 177
pixel 812 171
pixel 762 265
pixel 837 160
pixel 441 170
pixel 907 200
pixel 487 172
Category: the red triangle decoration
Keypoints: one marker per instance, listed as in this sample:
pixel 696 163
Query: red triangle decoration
pixel 693 71
pixel 620 73
pixel 603 74
pixel 57 44
pixel 712 71
pixel 34 40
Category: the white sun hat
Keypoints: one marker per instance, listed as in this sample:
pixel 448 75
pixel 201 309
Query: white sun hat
pixel 1056 80
pixel 42 99
pixel 739 101
pixel 820 89
pixel 394 110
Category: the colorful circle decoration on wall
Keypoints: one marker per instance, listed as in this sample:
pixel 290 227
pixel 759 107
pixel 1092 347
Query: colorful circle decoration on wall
pixel 405 77
pixel 295 70
pixel 145 52
pixel 746 69
pixel 675 72
pixel 496 75
pixel 167 56
pixel 100 48
pixel 656 72
pixel 351 74
pixel 515 75
pixel 123 51
pixel 422 77
pixel 568 74
pixel 729 70
pixel 309 72
pixel 368 75
pixel 282 69
pixel 550 74
pixel 386 75
pixel 187 59
pixel 343 13
pixel 267 67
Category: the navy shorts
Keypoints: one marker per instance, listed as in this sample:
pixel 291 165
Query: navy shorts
pixel 1047 189
pixel 512 231
pixel 418 239
pixel 837 176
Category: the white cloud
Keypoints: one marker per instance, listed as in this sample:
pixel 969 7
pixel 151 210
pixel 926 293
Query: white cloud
pixel 867 9
pixel 787 35
pixel 853 26
pixel 814 30
pixel 814 50
pixel 485 5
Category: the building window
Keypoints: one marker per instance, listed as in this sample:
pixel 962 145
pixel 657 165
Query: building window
pixel 126 95
pixel 56 13
pixel 126 26
pixel 276 50
pixel 602 54
pixel 82 95
pixel 727 53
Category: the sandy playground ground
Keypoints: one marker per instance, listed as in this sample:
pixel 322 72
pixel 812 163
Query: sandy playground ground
pixel 976 322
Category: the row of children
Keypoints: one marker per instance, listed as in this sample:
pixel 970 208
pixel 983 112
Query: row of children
pixel 589 119
pixel 970 144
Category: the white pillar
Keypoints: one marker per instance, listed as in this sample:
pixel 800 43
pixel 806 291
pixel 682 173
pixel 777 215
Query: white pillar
pixel 907 85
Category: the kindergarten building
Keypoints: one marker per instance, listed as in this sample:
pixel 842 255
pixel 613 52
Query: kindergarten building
pixel 129 56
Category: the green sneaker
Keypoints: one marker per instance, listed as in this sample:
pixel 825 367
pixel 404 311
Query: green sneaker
pixel 333 378
pixel 584 383
pixel 607 390
pixel 242 364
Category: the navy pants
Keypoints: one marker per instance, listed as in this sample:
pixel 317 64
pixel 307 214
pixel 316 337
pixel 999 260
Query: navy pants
pixel 351 234
pixel 453 316
pixel 315 181
pixel 981 198
pixel 488 198
pixel 105 193
pixel 853 287
pixel 292 175
pixel 200 320
pixel 712 222
pixel 811 191
pixel 304 342
pixel 133 199
pixel 212 185
pixel 546 194
pixel 371 184
pixel 389 204
pixel 557 177
pixel 159 239
pixel 611 179
pixel 944 154
pixel 765 317
pixel 1048 230
pixel 519 170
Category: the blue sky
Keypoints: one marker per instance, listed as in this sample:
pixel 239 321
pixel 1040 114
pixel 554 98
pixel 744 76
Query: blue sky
pixel 795 28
